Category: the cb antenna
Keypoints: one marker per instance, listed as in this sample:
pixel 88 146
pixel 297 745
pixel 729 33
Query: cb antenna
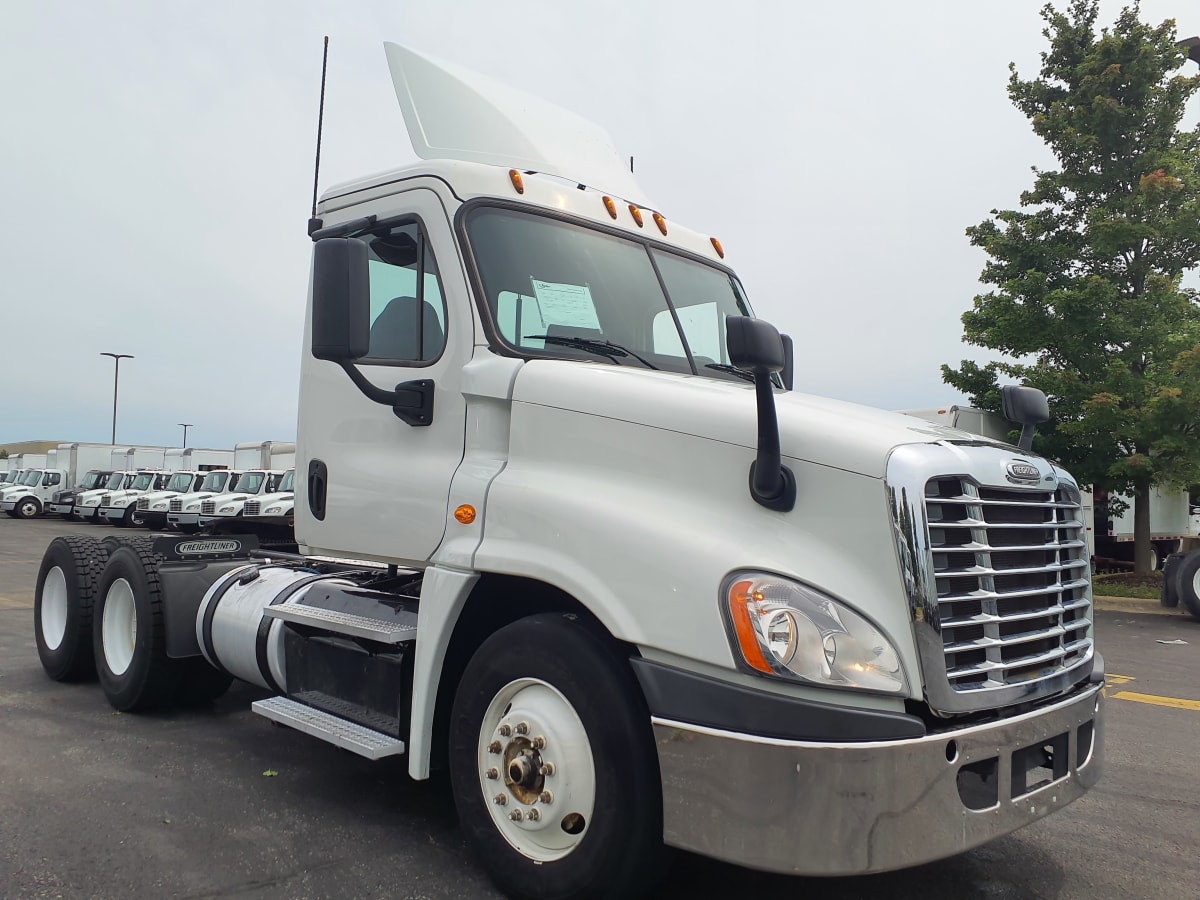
pixel 313 222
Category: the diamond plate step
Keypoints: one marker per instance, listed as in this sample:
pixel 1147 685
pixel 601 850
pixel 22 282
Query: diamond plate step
pixel 347 735
pixel 343 623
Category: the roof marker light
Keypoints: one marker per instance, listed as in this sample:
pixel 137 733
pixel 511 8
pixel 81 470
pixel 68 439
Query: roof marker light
pixel 717 246
pixel 517 181
pixel 661 223
pixel 636 213
pixel 610 206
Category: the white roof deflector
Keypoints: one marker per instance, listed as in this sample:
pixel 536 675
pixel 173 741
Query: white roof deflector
pixel 453 113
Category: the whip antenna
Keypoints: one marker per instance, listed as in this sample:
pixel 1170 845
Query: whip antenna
pixel 314 223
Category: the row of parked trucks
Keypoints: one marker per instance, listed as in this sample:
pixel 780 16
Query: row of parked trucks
pixel 187 488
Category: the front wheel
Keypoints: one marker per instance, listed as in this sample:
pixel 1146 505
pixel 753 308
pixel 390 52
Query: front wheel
pixel 131 518
pixel 28 508
pixel 553 764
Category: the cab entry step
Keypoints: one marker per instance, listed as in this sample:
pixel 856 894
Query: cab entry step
pixel 347 735
pixel 343 623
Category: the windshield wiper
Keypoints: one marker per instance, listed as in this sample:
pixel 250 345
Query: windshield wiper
pixel 601 348
pixel 732 370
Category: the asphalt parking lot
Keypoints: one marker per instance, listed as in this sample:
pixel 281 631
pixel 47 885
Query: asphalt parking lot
pixel 218 802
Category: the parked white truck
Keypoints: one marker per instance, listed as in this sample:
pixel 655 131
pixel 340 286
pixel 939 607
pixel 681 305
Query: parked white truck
pixel 27 498
pixel 65 469
pixel 183 511
pixel 226 514
pixel 120 507
pixel 623 595
pixel 88 465
pixel 273 513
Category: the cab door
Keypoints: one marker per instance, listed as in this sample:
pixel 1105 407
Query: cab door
pixel 369 483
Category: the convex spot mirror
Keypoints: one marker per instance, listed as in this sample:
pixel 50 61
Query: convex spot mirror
pixel 341 319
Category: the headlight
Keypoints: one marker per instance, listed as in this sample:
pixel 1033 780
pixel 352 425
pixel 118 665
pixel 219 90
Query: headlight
pixel 274 510
pixel 163 505
pixel 784 628
pixel 225 509
pixel 191 507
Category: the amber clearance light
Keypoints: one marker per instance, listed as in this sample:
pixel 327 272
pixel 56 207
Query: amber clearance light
pixel 466 514
pixel 717 246
pixel 517 181
pixel 636 213
pixel 611 206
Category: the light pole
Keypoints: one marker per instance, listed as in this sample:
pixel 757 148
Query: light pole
pixel 117 357
pixel 186 426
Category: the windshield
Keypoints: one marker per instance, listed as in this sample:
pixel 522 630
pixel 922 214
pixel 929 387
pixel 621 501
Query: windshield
pixel 214 481
pixel 114 481
pixel 250 482
pixel 289 479
pixel 32 477
pixel 556 288
pixel 93 480
pixel 180 481
pixel 143 481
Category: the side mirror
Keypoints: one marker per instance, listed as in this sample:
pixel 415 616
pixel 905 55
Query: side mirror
pixel 1027 407
pixel 755 345
pixel 341 316
pixel 789 352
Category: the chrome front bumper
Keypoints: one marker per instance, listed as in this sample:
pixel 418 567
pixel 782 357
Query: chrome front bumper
pixel 840 809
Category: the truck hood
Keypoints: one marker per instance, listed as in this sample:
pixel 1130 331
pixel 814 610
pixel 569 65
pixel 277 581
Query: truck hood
pixel 814 429
pixel 266 500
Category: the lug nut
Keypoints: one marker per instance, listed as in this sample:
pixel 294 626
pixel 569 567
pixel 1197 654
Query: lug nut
pixel 539 742
pixel 546 797
pixel 522 728
pixel 500 799
pixel 493 774
pixel 515 815
pixel 534 815
pixel 494 747
pixel 505 730
pixel 546 769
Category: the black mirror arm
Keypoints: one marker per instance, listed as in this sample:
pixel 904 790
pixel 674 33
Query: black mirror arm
pixel 411 401
pixel 772 484
pixel 1026 441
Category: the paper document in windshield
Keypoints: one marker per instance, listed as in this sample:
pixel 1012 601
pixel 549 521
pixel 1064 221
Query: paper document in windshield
pixel 566 304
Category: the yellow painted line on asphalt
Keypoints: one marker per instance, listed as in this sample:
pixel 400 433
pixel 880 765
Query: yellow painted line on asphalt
pixel 1172 702
pixel 1112 680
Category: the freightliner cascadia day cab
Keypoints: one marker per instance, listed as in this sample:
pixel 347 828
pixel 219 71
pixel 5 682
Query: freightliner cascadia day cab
pixel 566 532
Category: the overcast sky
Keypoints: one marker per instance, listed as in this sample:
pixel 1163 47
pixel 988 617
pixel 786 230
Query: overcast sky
pixel 156 163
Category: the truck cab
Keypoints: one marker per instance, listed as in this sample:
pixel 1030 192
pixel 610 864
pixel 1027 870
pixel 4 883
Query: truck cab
pixel 88 503
pixel 222 507
pixel 153 507
pixel 184 510
pixel 62 503
pixel 30 498
pixel 120 507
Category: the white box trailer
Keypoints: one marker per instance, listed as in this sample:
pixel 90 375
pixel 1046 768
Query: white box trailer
pixel 194 459
pixel 279 455
pixel 78 459
pixel 27 460
pixel 967 418
pixel 135 458
pixel 1173 529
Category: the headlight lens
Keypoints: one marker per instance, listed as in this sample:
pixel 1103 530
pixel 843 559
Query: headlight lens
pixel 226 509
pixel 781 627
pixel 272 510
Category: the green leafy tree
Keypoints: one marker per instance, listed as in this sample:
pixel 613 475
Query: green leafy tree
pixel 1088 301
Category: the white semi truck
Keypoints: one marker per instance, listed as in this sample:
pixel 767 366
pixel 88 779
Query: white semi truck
pixel 228 514
pixel 627 587
pixel 89 466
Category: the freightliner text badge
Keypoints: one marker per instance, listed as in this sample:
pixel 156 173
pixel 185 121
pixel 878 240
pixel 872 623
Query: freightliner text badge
pixel 1022 472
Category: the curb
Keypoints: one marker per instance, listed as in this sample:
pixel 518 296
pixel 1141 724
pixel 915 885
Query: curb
pixel 1135 605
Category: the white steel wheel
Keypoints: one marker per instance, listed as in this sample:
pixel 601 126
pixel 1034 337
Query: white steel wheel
pixel 536 770
pixel 53 612
pixel 119 626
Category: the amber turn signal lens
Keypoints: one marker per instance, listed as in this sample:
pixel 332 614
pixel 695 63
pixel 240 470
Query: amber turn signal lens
pixel 611 206
pixel 661 223
pixel 717 246
pixel 517 181
pixel 636 213
pixel 465 514
pixel 739 596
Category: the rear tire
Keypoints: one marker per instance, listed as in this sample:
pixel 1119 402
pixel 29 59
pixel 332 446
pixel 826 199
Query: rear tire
pixel 598 830
pixel 1169 598
pixel 1187 583
pixel 62 606
pixel 129 636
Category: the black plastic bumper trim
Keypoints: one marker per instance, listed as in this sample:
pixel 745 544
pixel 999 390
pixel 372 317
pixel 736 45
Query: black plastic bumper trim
pixel 699 700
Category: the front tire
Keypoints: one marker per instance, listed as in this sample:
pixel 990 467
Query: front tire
pixel 130 642
pixel 548 715
pixel 62 606
pixel 131 519
pixel 28 508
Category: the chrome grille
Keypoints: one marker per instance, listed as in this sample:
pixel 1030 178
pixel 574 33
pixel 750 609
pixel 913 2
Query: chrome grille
pixel 208 508
pixel 251 508
pixel 176 506
pixel 1011 572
